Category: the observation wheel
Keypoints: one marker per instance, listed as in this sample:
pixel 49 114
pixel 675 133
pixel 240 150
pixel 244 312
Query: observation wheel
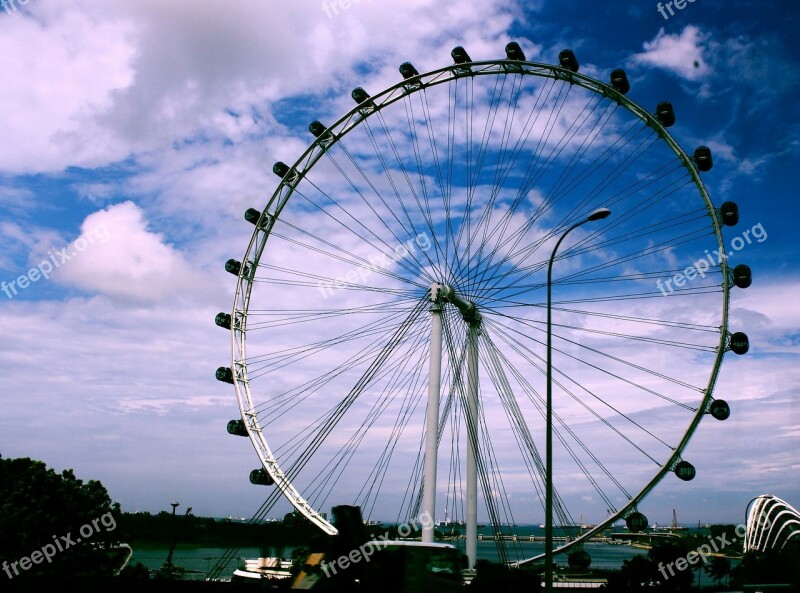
pixel 389 328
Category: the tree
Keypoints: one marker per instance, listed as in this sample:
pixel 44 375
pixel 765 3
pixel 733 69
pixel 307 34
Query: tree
pixel 771 567
pixel 659 571
pixel 672 565
pixel 636 574
pixel 718 568
pixel 54 524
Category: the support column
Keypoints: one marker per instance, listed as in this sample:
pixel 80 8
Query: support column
pixel 432 418
pixel 472 443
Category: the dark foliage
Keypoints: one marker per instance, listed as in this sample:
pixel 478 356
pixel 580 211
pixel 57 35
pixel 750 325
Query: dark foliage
pixel 775 567
pixel 492 578
pixel 42 514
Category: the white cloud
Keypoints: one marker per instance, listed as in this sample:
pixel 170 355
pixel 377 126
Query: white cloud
pixel 118 256
pixel 681 54
pixel 202 97
pixel 133 76
pixel 62 71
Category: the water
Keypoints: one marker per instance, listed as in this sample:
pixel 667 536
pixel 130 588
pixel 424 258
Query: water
pixel 199 559
pixel 603 555
pixel 193 559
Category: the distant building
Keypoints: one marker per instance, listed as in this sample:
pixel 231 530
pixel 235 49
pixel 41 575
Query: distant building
pixel 772 523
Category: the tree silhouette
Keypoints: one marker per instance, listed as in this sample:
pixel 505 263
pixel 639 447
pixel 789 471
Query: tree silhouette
pixel 657 571
pixel 53 524
pixel 718 568
pixel 636 574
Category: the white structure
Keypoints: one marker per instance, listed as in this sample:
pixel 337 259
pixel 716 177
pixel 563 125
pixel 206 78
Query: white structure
pixel 771 523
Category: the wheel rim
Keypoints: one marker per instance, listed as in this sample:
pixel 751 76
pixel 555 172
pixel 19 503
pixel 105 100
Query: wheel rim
pixel 411 187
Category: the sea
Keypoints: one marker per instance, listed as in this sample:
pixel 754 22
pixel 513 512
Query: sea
pixel 199 560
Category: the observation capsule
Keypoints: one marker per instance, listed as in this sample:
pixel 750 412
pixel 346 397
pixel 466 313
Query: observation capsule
pixel 514 52
pixel 740 343
pixel 359 95
pixel 702 158
pixel 568 60
pixel 685 471
pixel 729 213
pixel 316 128
pixel 665 114
pixel 237 428
pixel 407 70
pixel 280 169
pixel 460 55
pixel 742 276
pixel 636 522
pixel 720 409
pixel 233 266
pixel 223 320
pixel 619 81
pixel 260 477
pixel 225 374
pixel 252 216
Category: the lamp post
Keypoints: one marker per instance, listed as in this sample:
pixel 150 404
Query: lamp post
pixel 174 506
pixel 548 501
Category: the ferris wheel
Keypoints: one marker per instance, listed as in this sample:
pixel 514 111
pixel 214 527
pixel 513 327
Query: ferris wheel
pixel 390 324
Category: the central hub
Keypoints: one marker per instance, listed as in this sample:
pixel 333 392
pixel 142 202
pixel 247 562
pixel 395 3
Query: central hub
pixel 442 293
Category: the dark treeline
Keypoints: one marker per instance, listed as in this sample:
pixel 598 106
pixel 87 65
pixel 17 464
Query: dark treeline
pixel 165 528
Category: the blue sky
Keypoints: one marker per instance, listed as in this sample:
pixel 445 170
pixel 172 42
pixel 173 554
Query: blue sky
pixel 135 135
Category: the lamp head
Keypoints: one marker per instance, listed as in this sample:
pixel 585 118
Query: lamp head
pixel 599 214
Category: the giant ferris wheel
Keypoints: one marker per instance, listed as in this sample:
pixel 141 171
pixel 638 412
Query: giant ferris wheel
pixel 389 324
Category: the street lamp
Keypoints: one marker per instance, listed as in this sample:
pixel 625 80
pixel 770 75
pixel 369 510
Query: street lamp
pixel 174 506
pixel 548 501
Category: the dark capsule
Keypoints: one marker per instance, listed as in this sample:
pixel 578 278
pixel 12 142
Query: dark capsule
pixel 742 276
pixel 568 60
pixel 729 213
pixel 233 266
pixel 223 320
pixel 316 128
pixel 685 471
pixel 460 55
pixel 359 95
pixel 514 52
pixel 407 70
pixel 619 81
pixel 702 157
pixel 720 409
pixel 740 343
pixel 636 522
pixel 579 560
pixel 237 428
pixel 665 114
pixel 280 169
pixel 224 374
pixel 252 216
pixel 260 477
